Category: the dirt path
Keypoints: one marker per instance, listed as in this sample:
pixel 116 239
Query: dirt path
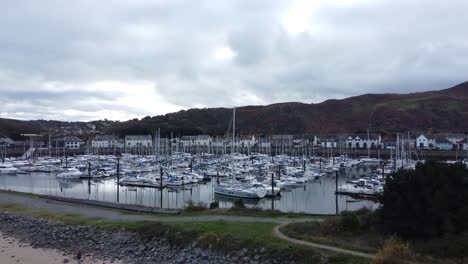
pixel 114 215
pixel 277 233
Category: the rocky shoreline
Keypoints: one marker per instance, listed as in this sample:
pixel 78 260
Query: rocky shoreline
pixel 116 245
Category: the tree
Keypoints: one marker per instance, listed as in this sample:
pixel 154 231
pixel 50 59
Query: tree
pixel 428 202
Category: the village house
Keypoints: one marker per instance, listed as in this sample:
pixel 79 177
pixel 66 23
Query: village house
pixel 248 141
pixel 7 142
pixel 264 142
pixel 70 142
pixel 443 144
pixel 439 141
pixel 425 142
pixel 364 141
pixel 132 141
pixel 333 141
pixel 200 140
pixel 282 140
pixel 104 141
pixel 463 144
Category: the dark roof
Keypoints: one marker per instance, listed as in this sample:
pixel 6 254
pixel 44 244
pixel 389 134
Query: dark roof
pixel 365 136
pixel 7 140
pixel 442 141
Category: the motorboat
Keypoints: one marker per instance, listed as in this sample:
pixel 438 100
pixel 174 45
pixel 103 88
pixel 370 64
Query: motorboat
pixel 69 173
pixel 6 168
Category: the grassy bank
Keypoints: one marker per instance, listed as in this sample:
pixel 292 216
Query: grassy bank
pixel 223 237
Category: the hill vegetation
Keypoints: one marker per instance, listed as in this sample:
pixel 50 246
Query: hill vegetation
pixel 434 111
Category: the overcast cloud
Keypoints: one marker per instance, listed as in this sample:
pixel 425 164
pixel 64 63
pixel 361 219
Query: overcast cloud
pixel 87 60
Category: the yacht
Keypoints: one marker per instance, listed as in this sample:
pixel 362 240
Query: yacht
pixel 7 169
pixel 240 191
pixel 70 173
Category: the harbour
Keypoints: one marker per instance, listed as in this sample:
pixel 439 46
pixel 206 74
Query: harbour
pixel 314 196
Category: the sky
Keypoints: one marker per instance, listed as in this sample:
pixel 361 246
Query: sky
pixel 88 60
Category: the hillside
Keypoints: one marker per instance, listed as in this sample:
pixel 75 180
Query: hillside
pixel 437 111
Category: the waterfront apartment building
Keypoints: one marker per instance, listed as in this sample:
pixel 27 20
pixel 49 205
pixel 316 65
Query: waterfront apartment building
pixel 144 141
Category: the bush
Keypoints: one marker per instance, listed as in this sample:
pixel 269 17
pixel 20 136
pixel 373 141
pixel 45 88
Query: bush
pixel 428 202
pixel 394 251
pixel 239 204
pixel 349 222
pixel 214 205
pixel 192 207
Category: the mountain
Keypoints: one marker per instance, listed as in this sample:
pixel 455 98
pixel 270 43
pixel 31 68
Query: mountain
pixel 434 111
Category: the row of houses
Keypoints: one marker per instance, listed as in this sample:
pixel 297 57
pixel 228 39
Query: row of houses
pixel 356 141
pixel 442 141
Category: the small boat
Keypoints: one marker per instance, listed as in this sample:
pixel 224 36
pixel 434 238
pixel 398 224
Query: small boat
pixel 6 168
pixel 240 191
pixel 70 173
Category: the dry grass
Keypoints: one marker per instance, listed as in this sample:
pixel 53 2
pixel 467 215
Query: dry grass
pixel 394 251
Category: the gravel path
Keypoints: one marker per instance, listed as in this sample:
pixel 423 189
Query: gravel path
pixel 277 233
pixel 96 212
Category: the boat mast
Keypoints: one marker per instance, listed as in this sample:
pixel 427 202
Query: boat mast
pixel 233 129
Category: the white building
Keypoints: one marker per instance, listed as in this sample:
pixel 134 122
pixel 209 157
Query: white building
pixel 248 141
pixel 364 141
pixel 72 142
pixel 425 142
pixel 104 141
pixel 6 142
pixel 443 144
pixel 138 141
pixel 439 141
pixel 200 140
pixel 463 144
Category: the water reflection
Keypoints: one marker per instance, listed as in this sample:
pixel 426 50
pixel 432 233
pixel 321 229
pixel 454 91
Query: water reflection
pixel 315 197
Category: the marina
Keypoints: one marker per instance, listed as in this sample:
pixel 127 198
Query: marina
pixel 194 179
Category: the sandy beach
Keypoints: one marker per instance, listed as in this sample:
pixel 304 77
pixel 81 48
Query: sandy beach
pixel 13 252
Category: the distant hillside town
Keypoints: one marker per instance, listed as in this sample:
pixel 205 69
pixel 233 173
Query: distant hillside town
pixel 274 144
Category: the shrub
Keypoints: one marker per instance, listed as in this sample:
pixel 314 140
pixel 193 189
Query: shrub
pixel 192 207
pixel 427 202
pixel 394 251
pixel 349 221
pixel 214 205
pixel 239 204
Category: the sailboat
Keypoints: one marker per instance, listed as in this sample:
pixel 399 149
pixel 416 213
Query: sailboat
pixel 232 188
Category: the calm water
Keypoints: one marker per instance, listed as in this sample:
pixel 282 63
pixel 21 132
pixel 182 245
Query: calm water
pixel 313 197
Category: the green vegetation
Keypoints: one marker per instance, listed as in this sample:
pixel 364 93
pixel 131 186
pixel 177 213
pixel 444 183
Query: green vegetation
pixel 351 230
pixel 20 193
pixel 221 236
pixel 197 209
pixel 429 202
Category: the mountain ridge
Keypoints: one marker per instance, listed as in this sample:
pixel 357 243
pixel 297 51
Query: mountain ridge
pixel 443 110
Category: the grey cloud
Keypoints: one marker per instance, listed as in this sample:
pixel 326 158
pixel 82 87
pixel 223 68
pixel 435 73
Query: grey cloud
pixel 364 47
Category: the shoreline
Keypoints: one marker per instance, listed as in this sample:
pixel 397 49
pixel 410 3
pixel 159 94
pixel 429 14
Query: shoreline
pixel 12 251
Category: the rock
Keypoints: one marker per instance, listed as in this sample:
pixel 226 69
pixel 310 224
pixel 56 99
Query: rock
pixel 111 246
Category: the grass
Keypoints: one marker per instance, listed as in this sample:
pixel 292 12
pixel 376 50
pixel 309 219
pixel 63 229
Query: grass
pixel 314 232
pixel 221 236
pixel 20 193
pixel 252 212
